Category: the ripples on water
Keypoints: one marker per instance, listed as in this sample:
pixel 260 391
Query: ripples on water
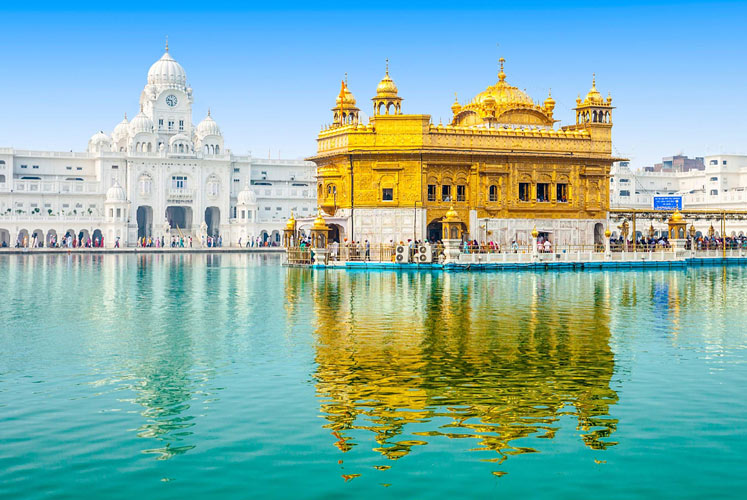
pixel 233 371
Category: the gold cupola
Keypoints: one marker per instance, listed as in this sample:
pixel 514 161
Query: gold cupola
pixel 594 109
pixel 387 101
pixel 456 107
pixel 549 103
pixel 345 110
pixel 502 103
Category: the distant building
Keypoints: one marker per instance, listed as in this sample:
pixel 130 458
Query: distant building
pixel 722 183
pixel 155 175
pixel 678 163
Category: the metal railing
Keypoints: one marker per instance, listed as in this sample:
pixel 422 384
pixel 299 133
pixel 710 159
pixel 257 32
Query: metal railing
pixel 299 256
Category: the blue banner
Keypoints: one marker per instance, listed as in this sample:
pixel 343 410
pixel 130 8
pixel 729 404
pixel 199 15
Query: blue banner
pixel 667 202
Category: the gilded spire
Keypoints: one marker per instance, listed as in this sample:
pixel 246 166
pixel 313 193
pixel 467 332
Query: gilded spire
pixel 501 74
pixel 167 43
pixel 594 81
pixel 387 66
pixel 208 111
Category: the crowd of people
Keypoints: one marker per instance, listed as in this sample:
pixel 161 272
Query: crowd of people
pixel 67 241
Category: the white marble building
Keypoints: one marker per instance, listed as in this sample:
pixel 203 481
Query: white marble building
pixel 155 175
pixel 721 186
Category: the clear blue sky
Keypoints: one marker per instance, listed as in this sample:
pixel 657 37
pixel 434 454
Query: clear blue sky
pixel 677 71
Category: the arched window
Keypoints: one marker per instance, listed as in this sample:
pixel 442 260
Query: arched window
pixel 217 149
pixel 146 184
pixel 213 186
pixel 493 193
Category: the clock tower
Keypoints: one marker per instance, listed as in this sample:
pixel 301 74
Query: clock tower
pixel 167 100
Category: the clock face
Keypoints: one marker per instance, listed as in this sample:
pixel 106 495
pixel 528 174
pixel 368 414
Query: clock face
pixel 171 100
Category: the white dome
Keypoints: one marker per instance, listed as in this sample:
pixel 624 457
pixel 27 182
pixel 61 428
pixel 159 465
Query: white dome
pixel 207 127
pixel 116 193
pixel 247 197
pixel 166 71
pixel 141 123
pixel 99 142
pixel 121 130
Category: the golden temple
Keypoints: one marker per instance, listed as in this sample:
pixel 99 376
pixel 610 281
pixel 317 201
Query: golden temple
pixel 500 162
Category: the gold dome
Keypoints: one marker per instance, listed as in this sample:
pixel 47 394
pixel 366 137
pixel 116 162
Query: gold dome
pixel 594 97
pixel 549 102
pixel 676 216
pixel 345 97
pixel 451 215
pixel 456 107
pixel 319 223
pixel 291 224
pixel 386 87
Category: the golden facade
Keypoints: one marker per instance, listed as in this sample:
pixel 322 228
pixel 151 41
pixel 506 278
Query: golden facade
pixel 500 158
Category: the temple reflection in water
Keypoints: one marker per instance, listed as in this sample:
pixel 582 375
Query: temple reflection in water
pixel 491 359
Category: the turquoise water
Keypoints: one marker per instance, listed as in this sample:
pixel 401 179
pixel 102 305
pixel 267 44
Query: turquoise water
pixel 229 376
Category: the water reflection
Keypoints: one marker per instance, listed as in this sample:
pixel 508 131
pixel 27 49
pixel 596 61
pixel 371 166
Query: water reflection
pixel 462 356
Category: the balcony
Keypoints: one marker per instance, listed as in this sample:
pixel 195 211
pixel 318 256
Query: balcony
pixel 55 187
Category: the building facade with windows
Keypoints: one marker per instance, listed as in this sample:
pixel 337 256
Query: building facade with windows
pixel 155 175
pixel 501 163
pixel 720 184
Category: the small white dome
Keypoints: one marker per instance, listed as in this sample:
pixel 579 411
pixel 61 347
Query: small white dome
pixel 99 142
pixel 141 123
pixel 247 197
pixel 207 127
pixel 116 193
pixel 121 130
pixel 166 71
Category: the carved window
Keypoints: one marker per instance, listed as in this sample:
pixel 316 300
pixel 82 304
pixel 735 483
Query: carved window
pixel 561 193
pixel 543 191
pixel 146 185
pixel 431 192
pixel 446 192
pixel 493 193
pixel 461 192
pixel 524 188
pixel 387 194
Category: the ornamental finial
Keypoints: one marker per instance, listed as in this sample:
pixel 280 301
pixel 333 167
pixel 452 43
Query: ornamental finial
pixel 167 43
pixel 208 111
pixel 387 66
pixel 501 74
pixel 346 78
pixel 594 80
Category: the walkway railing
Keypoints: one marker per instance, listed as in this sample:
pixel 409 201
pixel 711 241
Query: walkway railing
pixel 299 256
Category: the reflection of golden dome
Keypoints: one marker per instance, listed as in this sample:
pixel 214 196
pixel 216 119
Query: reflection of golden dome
pixel 291 224
pixel 607 233
pixel 676 216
